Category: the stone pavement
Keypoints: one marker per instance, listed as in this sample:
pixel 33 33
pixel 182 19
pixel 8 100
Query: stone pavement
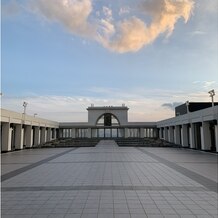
pixel 109 181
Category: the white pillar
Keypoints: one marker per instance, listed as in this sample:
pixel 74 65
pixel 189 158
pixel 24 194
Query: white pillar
pixel 49 134
pixel 205 136
pixel 165 134
pixel 43 135
pixel 73 133
pixel 152 133
pixel 168 134
pixel 46 134
pixel 192 136
pixel 36 136
pixel 126 133
pixel 171 133
pixel 89 132
pixel 149 132
pixel 18 137
pixel 141 132
pixel 184 135
pixel 177 135
pixel 29 136
pixel 216 136
pixel 6 137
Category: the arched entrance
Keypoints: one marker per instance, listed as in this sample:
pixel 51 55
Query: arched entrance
pixel 107 126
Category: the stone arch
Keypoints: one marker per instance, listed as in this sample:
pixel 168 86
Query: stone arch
pixel 107 117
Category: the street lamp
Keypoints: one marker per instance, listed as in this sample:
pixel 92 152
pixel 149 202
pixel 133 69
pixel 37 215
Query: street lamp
pixel 24 107
pixel 212 93
pixel 187 106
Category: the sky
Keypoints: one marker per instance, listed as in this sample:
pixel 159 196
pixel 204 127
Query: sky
pixel 61 56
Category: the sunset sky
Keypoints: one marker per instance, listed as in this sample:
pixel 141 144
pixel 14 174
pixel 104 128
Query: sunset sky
pixel 62 55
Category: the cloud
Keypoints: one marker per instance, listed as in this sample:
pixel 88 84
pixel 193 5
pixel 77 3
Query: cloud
pixel 206 84
pixel 144 104
pixel 172 106
pixel 72 14
pixel 128 34
pixel 133 34
pixel 197 33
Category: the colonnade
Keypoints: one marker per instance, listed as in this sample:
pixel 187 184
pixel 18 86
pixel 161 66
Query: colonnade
pixel 119 132
pixel 19 136
pixel 196 130
pixel 199 135
pixel 19 131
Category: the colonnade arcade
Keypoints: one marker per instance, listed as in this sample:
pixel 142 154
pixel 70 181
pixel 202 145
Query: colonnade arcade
pixel 199 135
pixel 19 136
pixel 106 132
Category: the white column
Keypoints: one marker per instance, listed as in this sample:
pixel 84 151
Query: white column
pixel 192 135
pixel 39 135
pixel 73 133
pixel 126 133
pixel 152 133
pixel 165 134
pixel 43 135
pixel 171 138
pixel 205 136
pixel 49 134
pixel 36 136
pixel 216 136
pixel 89 132
pixel 141 132
pixel 177 135
pixel 6 137
pixel 29 136
pixel 149 132
pixel 18 137
pixel 184 135
pixel 168 134
pixel 46 134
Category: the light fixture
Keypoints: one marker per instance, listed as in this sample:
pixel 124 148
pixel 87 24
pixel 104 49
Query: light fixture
pixel 187 106
pixel 212 93
pixel 24 107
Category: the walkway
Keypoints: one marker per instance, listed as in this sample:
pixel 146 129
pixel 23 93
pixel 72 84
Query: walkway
pixel 109 181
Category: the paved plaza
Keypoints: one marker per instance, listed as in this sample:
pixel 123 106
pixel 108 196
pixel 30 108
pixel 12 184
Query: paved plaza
pixel 109 181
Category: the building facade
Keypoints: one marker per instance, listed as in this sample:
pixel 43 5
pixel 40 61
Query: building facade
pixel 195 130
pixel 108 122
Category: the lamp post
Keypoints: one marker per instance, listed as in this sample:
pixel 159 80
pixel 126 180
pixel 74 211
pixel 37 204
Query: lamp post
pixel 24 107
pixel 187 106
pixel 212 93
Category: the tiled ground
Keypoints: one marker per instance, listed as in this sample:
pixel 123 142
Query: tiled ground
pixel 109 181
